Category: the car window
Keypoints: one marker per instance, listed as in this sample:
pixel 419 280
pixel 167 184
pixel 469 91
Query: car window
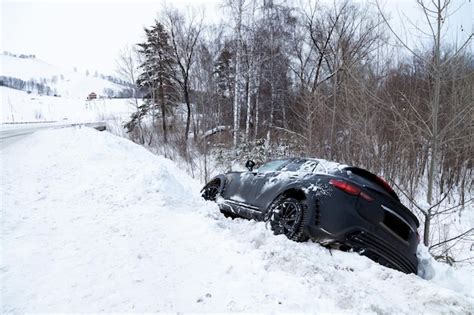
pixel 271 166
pixel 308 166
pixel 300 165
pixel 294 165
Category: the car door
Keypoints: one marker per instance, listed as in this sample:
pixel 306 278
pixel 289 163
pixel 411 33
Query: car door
pixel 266 180
pixel 241 186
pixel 238 186
pixel 273 183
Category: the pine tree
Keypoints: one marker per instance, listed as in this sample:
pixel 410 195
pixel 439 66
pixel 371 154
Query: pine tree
pixel 224 73
pixel 157 73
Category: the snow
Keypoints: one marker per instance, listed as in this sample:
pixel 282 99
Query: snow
pixel 27 68
pixel 448 224
pixel 19 106
pixel 325 167
pixel 217 129
pixel 69 107
pixel 237 198
pixel 94 223
pixel 67 83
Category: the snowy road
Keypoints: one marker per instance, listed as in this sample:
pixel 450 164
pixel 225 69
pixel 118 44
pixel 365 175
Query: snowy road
pixel 95 223
pixel 9 133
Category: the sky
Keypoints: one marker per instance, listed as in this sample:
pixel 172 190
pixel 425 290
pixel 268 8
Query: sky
pixel 84 34
pixel 89 34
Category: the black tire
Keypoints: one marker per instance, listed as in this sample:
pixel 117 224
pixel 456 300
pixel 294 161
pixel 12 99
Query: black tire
pixel 287 216
pixel 229 215
pixel 211 190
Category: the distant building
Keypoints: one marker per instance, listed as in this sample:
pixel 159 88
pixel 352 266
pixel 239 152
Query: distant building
pixel 91 96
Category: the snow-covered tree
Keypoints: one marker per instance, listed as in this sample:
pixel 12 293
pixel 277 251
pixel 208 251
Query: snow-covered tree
pixel 157 72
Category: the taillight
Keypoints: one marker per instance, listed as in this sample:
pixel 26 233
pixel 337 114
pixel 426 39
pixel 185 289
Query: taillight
pixel 350 189
pixel 382 182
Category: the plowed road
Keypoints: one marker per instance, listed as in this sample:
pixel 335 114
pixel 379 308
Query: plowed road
pixel 10 133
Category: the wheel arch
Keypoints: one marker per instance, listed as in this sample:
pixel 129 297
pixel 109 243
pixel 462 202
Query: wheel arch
pixel 300 193
pixel 294 192
pixel 220 179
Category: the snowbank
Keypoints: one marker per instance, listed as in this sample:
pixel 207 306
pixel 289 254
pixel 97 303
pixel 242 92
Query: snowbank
pixel 94 223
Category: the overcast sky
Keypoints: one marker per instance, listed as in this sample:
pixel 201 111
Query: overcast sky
pixel 88 34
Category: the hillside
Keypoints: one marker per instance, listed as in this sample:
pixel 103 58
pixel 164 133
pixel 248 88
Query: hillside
pixel 19 106
pixel 63 82
pixel 96 223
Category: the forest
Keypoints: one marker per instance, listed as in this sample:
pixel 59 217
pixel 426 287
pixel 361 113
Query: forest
pixel 328 80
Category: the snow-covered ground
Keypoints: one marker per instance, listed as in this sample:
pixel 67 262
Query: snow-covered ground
pixel 19 106
pixel 95 223
pixel 72 90
pixel 66 83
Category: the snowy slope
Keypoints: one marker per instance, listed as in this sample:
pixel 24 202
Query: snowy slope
pixel 94 223
pixel 67 83
pixel 27 68
pixel 18 106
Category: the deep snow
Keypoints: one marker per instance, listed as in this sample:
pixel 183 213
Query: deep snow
pixel 92 222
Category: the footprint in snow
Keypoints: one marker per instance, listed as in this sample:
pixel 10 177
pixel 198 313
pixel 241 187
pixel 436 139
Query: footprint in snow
pixel 203 298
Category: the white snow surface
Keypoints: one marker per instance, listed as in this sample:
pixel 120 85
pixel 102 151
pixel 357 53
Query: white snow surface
pixel 95 223
pixel 71 84
pixel 18 106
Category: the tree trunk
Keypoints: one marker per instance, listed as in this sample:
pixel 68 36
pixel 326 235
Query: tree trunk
pixel 238 74
pixel 435 109
pixel 188 116
pixel 161 95
pixel 426 230
pixel 249 107
pixel 236 100
pixel 256 116
pixel 333 118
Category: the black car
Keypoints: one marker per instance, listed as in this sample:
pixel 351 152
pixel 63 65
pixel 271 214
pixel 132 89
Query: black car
pixel 336 205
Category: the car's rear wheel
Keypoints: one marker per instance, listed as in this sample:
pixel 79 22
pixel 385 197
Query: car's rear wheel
pixel 211 190
pixel 287 216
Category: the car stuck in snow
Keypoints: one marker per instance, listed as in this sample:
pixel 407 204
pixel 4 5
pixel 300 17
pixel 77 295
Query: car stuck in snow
pixel 339 206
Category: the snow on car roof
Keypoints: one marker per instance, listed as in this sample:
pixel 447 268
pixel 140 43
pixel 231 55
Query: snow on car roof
pixel 324 166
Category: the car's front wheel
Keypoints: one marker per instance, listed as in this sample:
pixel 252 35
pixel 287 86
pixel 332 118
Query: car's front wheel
pixel 211 190
pixel 287 216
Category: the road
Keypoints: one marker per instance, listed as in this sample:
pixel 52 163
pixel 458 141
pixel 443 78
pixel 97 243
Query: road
pixel 10 133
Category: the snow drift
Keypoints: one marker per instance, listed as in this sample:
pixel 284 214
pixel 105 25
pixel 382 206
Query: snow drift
pixel 94 223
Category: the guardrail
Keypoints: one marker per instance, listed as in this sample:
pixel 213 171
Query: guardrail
pixel 29 122
pixel 101 126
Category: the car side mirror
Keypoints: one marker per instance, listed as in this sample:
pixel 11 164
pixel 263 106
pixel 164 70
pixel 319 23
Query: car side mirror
pixel 249 165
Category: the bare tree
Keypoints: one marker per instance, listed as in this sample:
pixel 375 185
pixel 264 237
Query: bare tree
pixel 435 12
pixel 237 10
pixel 184 35
pixel 127 67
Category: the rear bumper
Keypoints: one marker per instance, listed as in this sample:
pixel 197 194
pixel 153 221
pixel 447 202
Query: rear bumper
pixel 370 245
pixel 382 252
pixel 336 220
